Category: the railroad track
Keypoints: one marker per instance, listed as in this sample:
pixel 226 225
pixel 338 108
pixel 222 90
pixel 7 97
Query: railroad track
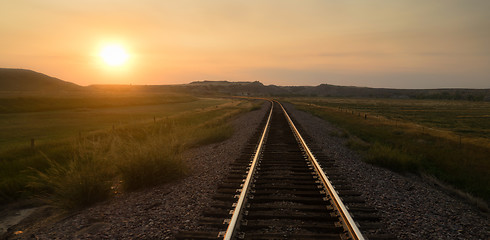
pixel 277 189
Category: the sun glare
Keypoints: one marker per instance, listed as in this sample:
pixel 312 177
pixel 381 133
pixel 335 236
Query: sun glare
pixel 114 55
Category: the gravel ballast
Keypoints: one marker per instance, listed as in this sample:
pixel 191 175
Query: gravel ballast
pixel 410 207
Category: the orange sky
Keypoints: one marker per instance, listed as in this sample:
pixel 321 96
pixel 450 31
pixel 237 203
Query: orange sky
pixel 376 43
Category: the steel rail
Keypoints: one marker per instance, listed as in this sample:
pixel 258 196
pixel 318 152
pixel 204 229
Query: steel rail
pixel 347 218
pixel 230 231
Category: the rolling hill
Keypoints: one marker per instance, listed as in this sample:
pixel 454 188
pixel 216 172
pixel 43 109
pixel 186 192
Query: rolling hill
pixel 327 90
pixel 22 80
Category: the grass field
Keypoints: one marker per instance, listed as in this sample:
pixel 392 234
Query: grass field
pixel 449 140
pixel 81 154
pixel 18 129
pixel 39 102
pixel 467 118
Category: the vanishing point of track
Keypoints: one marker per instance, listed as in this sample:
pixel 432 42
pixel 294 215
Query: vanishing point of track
pixel 277 189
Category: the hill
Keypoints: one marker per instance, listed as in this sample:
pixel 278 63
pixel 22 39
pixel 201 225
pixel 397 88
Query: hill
pixel 234 88
pixel 22 80
pixel 325 90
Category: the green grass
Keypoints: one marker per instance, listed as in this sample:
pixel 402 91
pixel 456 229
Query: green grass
pixel 17 129
pixel 392 158
pixel 76 171
pixel 39 103
pixel 55 134
pixel 466 118
pixel 409 141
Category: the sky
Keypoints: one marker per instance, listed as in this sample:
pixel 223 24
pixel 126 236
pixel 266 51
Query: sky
pixel 373 43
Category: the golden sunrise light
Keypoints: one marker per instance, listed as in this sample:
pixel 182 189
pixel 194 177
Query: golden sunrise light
pixel 114 55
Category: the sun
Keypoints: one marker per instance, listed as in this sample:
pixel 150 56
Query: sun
pixel 114 55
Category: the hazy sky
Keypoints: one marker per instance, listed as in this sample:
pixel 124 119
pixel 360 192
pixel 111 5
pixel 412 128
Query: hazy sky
pixel 375 43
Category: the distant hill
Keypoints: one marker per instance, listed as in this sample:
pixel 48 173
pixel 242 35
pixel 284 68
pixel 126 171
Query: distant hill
pixel 22 80
pixel 325 90
pixel 234 88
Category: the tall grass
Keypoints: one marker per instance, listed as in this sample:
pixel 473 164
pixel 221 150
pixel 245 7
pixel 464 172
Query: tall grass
pixel 392 158
pixel 84 180
pixel 56 134
pixel 149 160
pixel 87 170
pixel 16 166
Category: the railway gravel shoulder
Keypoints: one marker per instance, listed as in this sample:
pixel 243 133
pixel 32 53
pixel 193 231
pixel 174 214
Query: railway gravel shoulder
pixel 410 207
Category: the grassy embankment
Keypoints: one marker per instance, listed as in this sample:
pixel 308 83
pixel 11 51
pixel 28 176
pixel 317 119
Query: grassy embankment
pixel 81 156
pixel 449 140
